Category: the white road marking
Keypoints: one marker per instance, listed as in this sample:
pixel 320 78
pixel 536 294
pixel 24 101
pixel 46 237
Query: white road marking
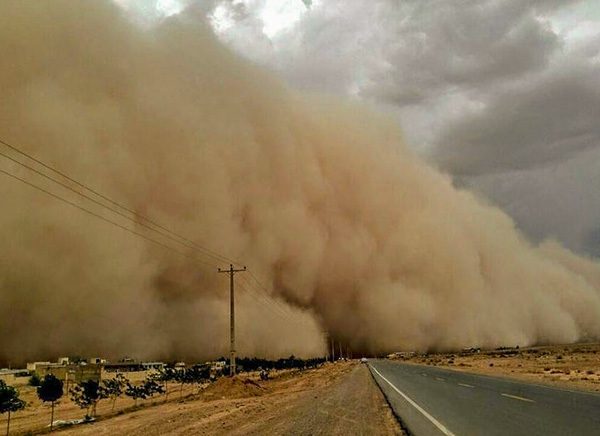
pixel 514 397
pixel 466 385
pixel 434 421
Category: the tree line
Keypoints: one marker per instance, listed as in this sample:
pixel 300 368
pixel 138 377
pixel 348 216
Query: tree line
pixel 87 394
pixel 246 364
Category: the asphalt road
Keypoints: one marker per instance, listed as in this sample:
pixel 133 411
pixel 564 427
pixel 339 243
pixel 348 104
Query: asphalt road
pixel 434 401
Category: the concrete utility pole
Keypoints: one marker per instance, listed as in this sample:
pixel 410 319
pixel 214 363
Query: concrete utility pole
pixel 231 271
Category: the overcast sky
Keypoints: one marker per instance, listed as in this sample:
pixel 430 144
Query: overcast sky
pixel 502 94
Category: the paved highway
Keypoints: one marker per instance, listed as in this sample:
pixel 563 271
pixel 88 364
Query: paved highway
pixel 434 401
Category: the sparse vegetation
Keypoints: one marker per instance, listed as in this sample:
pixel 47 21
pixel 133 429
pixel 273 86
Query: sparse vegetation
pixel 292 362
pixel 165 375
pixel 34 380
pixel 9 402
pixel 147 389
pixel 50 391
pixel 135 392
pixel 152 387
pixel 86 395
pixel 113 388
pixel 575 367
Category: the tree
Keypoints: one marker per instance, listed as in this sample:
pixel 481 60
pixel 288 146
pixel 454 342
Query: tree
pixel 180 376
pixel 9 402
pixel 113 388
pixel 135 392
pixel 34 380
pixel 165 375
pixel 151 387
pixel 198 374
pixel 146 390
pixel 49 391
pixel 86 395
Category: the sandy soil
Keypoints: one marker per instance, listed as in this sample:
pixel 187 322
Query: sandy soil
pixel 36 416
pixel 334 399
pixel 574 366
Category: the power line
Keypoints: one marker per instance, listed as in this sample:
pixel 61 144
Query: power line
pixel 268 300
pixel 272 308
pixel 170 234
pixel 267 297
pixel 103 218
pixel 251 292
pixel 257 296
pixel 265 291
pixel 192 244
pixel 127 217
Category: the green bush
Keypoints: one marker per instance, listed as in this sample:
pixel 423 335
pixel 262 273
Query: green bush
pixel 34 380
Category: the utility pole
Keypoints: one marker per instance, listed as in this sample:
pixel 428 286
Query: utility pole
pixel 231 271
pixel 332 350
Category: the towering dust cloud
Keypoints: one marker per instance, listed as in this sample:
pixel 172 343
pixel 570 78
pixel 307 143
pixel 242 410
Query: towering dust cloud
pixel 318 197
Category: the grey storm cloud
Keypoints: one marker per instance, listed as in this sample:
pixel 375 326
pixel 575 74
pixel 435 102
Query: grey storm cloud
pixel 532 124
pixel 493 92
pixel 559 201
pixel 437 45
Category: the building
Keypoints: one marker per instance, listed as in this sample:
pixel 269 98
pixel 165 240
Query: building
pixel 71 373
pixel 88 370
pixel 14 376
pixel 123 367
pixel 217 368
pixel 156 366
pixel 31 366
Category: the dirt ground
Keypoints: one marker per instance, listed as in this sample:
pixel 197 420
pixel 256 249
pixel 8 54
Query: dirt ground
pixel 36 416
pixel 574 366
pixel 336 399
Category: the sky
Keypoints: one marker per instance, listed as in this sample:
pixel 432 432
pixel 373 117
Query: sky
pixel 504 95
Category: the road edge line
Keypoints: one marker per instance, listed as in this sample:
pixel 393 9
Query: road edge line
pixel 401 423
pixel 441 427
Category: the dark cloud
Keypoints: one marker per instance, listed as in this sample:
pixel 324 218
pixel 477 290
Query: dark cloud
pixel 559 201
pixel 592 242
pixel 500 93
pixel 436 46
pixel 533 124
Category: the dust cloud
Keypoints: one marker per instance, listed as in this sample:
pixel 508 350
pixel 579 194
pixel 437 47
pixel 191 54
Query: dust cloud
pixel 318 197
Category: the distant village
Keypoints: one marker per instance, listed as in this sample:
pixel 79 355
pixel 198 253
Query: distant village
pixel 95 368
